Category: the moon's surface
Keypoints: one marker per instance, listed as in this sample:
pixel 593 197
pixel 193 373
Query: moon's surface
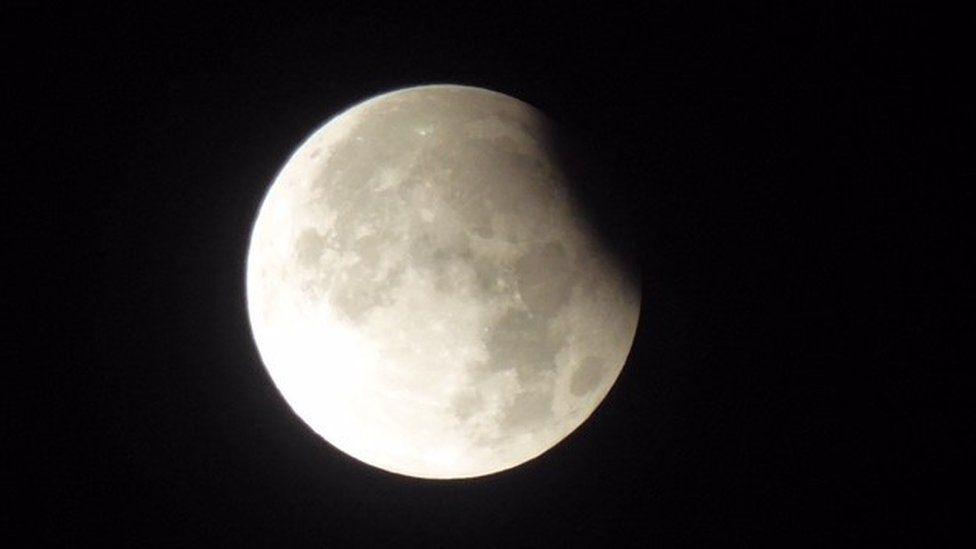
pixel 425 292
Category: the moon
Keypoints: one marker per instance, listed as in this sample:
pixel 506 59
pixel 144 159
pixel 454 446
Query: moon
pixel 426 292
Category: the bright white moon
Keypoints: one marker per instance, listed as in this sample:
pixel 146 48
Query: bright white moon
pixel 426 294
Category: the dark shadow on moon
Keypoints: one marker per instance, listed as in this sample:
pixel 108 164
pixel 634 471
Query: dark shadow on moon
pixel 608 205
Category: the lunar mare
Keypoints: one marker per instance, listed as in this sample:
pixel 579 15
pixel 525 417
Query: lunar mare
pixel 425 292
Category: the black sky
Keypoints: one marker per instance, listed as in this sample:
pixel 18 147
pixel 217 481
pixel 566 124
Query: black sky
pixel 767 163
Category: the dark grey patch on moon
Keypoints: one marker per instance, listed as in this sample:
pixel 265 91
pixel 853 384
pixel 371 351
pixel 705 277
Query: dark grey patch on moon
pixel 364 285
pixel 309 247
pixel 354 301
pixel 545 278
pixel 466 405
pixel 484 229
pixel 492 279
pixel 521 340
pixel 587 377
pixel 530 409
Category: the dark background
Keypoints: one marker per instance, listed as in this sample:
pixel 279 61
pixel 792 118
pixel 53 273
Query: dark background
pixel 770 165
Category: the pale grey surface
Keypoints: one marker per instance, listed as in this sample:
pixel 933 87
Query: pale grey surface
pixel 424 292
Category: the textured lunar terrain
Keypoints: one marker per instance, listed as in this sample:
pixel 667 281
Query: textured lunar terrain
pixel 424 291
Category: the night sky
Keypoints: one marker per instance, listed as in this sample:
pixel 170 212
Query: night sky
pixel 767 164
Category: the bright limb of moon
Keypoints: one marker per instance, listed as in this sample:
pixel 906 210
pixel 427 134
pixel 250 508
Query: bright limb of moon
pixel 426 294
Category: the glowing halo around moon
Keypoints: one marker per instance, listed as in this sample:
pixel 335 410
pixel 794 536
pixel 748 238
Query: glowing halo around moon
pixel 426 294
